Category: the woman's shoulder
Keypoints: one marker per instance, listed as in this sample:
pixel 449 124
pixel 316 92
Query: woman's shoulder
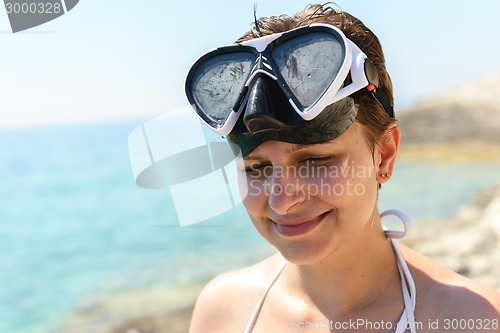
pixel 444 293
pixel 230 298
pixel 245 281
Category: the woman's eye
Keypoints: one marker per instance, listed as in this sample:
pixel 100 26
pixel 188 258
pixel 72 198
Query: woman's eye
pixel 255 168
pixel 317 160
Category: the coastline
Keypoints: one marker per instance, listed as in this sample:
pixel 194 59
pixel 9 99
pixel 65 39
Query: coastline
pixel 467 243
pixel 153 309
pixel 175 321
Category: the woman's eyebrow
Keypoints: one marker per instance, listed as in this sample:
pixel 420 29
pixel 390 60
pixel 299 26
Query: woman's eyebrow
pixel 296 148
pixel 252 158
pixel 291 150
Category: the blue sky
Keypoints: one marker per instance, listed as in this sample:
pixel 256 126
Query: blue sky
pixel 128 59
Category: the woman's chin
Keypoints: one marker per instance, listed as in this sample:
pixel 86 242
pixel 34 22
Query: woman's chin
pixel 302 253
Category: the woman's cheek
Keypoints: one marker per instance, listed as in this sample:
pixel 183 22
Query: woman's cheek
pixel 330 182
pixel 252 191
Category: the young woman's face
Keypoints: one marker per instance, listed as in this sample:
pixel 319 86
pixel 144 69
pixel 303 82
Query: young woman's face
pixel 307 201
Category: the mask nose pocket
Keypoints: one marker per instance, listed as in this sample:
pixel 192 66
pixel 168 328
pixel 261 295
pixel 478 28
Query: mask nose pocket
pixel 268 108
pixel 261 124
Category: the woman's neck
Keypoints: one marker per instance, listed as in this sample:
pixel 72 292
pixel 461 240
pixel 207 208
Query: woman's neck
pixel 350 279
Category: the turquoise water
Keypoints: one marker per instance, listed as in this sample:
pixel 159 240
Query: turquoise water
pixel 73 223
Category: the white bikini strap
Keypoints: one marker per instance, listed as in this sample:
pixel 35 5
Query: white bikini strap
pixel 256 311
pixel 407 223
pixel 409 296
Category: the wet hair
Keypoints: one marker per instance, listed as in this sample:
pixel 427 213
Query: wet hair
pixel 371 115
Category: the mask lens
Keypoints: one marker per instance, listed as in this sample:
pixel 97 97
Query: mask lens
pixel 217 84
pixel 309 64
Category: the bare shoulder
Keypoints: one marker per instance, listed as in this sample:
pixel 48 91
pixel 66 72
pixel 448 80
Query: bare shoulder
pixel 445 294
pixel 227 301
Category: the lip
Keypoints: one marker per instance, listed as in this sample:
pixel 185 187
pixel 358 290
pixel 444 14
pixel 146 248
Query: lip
pixel 298 227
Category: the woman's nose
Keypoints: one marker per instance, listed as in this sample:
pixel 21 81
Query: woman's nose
pixel 285 193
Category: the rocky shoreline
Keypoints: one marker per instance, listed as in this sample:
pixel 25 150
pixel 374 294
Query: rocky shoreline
pixel 175 321
pixel 469 242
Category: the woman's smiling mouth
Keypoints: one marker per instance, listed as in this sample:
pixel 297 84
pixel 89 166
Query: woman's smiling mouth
pixel 297 227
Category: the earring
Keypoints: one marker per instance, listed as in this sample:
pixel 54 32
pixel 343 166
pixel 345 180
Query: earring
pixel 383 175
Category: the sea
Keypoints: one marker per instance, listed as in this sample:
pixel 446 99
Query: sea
pixel 74 225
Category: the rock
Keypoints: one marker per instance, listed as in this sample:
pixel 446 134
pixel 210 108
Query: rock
pixel 491 215
pixel 470 112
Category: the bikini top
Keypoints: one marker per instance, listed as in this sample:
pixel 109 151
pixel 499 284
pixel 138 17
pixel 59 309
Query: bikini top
pixel 407 320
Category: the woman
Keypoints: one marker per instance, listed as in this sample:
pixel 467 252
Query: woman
pixel 308 103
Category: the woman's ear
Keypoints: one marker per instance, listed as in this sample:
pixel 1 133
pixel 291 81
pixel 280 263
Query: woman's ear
pixel 388 150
